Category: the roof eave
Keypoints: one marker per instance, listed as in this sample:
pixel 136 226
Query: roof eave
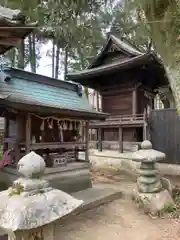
pixel 107 68
pixel 52 110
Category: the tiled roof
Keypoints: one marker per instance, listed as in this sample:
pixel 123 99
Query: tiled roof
pixel 104 69
pixel 93 70
pixel 132 57
pixel 37 90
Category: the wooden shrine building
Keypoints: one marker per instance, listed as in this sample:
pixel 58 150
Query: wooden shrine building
pixel 42 114
pixel 127 79
pixel 48 116
pixel 13 28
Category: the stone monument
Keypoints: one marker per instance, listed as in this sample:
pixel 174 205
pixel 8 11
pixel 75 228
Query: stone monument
pixel 29 208
pixel 150 192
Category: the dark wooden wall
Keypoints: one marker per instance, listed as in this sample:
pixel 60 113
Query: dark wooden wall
pixel 165 133
pixel 112 134
pixel 142 101
pixel 117 102
pixel 114 58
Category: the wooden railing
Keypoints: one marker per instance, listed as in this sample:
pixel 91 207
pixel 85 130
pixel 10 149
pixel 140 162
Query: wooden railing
pixel 121 120
pixel 57 145
pixel 125 118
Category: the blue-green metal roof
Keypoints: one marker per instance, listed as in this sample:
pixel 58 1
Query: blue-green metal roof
pixel 34 89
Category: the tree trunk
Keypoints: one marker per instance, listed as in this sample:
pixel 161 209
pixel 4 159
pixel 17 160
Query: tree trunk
pixel 33 57
pixel 32 52
pixel 165 39
pixel 57 60
pixel 53 57
pixel 13 60
pixel 65 62
pixel 174 79
pixel 97 101
pixel 21 55
pixel 86 90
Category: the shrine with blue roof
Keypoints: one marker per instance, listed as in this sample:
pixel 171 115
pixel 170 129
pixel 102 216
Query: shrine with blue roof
pixel 48 116
pixel 42 114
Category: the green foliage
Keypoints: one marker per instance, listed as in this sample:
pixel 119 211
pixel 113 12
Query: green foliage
pixel 127 24
pixel 16 189
pixel 172 210
pixel 162 18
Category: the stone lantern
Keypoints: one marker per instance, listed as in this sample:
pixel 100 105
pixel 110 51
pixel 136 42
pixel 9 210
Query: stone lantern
pixel 149 180
pixel 30 208
pixel 150 191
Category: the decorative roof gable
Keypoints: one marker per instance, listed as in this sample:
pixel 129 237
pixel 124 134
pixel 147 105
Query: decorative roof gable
pixel 118 57
pixel 115 45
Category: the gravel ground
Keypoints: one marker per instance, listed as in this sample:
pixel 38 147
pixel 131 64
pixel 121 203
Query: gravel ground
pixel 120 219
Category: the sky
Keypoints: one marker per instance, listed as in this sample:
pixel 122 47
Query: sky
pixel 45 61
pixel 45 68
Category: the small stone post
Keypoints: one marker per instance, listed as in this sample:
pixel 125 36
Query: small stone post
pixel 30 208
pixel 150 190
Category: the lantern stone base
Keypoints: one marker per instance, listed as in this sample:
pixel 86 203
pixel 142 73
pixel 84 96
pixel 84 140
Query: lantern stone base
pixel 149 185
pixel 153 202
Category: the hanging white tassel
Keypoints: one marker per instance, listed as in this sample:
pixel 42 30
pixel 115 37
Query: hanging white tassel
pixel 42 126
pixel 50 124
pixel 61 136
pixel 70 126
pixel 65 126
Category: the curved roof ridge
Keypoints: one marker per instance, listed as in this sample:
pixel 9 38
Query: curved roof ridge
pixel 129 48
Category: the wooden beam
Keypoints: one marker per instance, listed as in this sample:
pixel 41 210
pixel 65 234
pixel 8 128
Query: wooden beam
pixel 100 139
pixel 5 33
pixel 134 101
pixel 10 41
pixel 57 145
pixel 87 142
pixel 120 139
pixel 28 133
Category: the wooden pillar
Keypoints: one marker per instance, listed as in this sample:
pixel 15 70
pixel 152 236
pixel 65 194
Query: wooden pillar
pixel 28 133
pixel 87 142
pixel 134 101
pixel 76 151
pixel 144 131
pixel 152 103
pixel 18 138
pixel 145 125
pixel 6 132
pixel 100 139
pixel 120 140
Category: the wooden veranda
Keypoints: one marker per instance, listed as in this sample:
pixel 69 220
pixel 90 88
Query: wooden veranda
pixel 119 122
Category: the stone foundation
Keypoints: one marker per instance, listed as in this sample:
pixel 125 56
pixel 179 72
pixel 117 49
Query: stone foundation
pixel 122 161
pixel 114 145
pixel 73 178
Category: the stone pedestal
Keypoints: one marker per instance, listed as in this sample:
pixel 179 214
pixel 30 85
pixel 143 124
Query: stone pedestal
pixel 30 207
pixel 150 191
pixel 148 180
